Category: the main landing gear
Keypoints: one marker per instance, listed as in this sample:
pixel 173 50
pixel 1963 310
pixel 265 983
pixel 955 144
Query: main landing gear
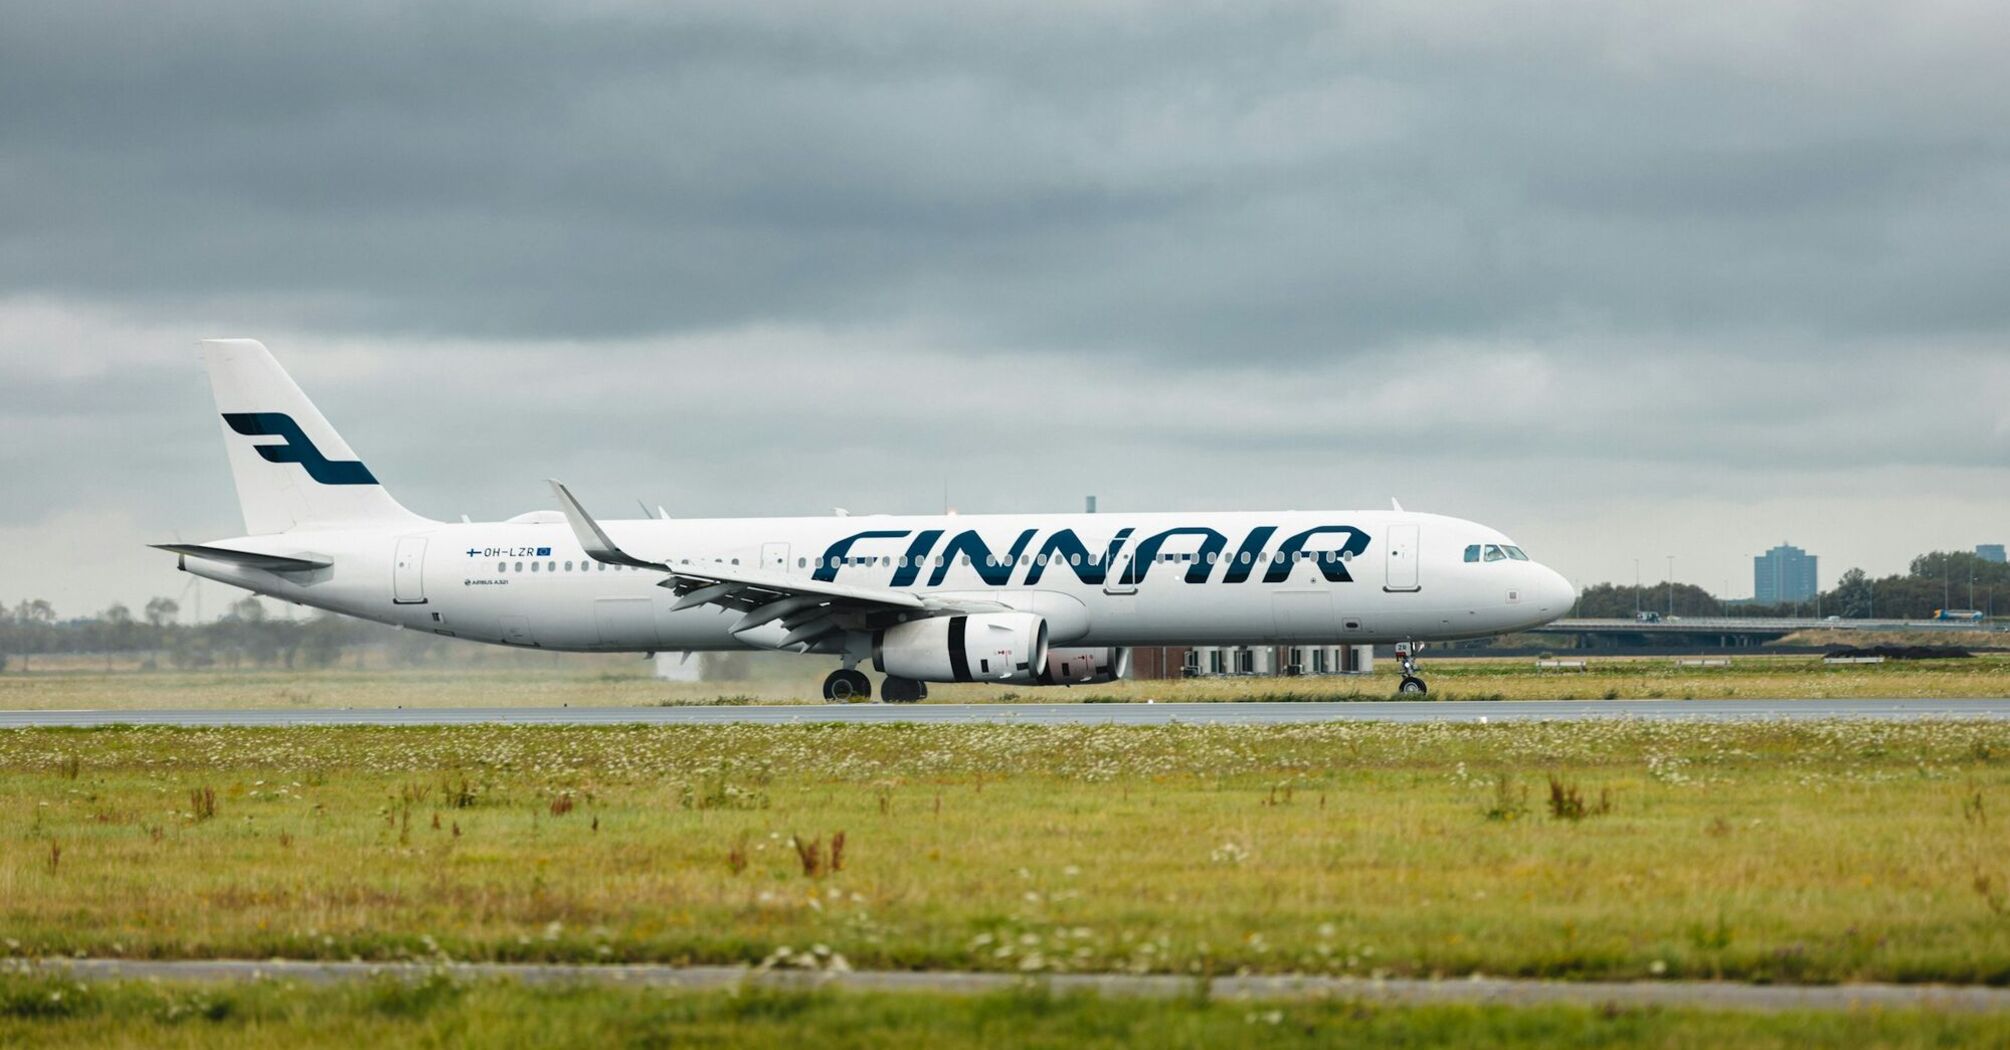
pixel 842 687
pixel 1411 685
pixel 895 690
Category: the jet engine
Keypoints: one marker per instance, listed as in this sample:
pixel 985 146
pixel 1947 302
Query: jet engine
pixel 1006 647
pixel 1086 666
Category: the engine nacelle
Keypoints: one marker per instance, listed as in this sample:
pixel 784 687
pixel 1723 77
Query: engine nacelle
pixel 1086 666
pixel 986 647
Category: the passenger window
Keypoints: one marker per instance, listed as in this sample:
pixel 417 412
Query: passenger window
pixel 1493 553
pixel 1473 552
pixel 533 566
pixel 551 566
pixel 568 566
pixel 1515 553
pixel 502 566
pixel 519 566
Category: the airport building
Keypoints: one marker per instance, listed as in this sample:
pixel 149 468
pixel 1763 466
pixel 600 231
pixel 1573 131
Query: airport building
pixel 1990 552
pixel 1211 661
pixel 1784 574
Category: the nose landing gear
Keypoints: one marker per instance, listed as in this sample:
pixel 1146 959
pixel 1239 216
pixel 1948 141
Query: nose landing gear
pixel 1412 685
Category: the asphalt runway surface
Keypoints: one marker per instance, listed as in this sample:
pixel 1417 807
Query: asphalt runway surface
pixel 1041 714
pixel 1711 995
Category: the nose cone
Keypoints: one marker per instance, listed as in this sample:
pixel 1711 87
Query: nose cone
pixel 1554 594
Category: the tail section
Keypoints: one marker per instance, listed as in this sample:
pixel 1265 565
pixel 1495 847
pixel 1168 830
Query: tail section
pixel 292 469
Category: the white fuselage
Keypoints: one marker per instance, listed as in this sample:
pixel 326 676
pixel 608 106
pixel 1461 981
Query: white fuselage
pixel 1097 579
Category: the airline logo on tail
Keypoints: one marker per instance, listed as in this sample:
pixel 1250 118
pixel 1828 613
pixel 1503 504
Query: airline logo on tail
pixel 297 447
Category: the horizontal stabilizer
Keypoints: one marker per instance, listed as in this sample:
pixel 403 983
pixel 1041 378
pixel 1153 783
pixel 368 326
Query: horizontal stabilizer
pixel 248 559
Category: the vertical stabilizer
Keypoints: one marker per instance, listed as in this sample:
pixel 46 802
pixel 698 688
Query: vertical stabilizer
pixel 292 469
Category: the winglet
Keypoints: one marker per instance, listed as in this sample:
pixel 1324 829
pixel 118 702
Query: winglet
pixel 598 546
pixel 1395 504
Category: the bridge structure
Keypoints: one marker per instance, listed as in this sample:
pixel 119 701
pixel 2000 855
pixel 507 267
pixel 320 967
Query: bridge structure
pixel 1732 631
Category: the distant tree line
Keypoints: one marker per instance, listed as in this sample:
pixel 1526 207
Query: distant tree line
pixel 244 636
pixel 1940 580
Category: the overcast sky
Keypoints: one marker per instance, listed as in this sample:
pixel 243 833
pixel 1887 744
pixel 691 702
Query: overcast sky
pixel 1624 281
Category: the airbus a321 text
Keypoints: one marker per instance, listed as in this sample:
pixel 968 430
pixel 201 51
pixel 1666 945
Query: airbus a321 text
pixel 1024 599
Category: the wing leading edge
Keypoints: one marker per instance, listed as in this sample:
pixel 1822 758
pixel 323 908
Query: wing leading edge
pixel 807 609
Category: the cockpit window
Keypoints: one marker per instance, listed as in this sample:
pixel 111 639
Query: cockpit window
pixel 1515 553
pixel 1473 552
pixel 1493 553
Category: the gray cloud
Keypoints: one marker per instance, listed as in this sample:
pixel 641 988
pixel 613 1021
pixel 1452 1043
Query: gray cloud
pixel 1309 180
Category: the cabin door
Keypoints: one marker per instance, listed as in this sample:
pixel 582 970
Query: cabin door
pixel 1402 559
pixel 408 580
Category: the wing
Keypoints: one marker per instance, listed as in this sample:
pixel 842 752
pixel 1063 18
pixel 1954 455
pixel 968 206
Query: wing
pixel 807 609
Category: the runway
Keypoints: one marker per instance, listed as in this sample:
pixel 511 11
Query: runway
pixel 1040 714
pixel 1475 990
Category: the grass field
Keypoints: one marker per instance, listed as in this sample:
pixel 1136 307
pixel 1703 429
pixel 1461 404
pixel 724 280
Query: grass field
pixel 1782 852
pixel 604 682
pixel 444 1013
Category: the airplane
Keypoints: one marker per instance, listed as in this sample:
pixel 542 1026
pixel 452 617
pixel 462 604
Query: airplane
pixel 1018 599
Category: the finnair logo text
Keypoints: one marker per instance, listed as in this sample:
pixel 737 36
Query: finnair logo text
pixel 1195 551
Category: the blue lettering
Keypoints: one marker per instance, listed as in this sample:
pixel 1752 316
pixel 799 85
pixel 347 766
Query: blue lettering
pixel 827 567
pixel 1148 552
pixel 1070 549
pixel 993 571
pixel 1332 562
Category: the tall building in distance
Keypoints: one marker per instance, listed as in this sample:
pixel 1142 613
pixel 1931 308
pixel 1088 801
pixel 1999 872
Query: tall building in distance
pixel 1783 574
pixel 1990 552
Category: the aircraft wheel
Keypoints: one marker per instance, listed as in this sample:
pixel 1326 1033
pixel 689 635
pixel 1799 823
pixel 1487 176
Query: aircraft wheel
pixel 1412 686
pixel 842 687
pixel 896 690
